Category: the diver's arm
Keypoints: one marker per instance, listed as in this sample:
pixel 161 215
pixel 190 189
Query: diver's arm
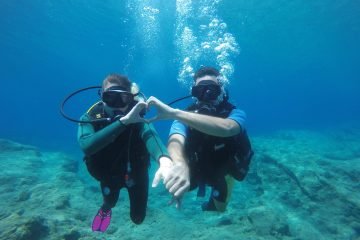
pixel 215 126
pixel 157 151
pixel 91 141
pixel 153 142
pixel 178 180
pixel 176 148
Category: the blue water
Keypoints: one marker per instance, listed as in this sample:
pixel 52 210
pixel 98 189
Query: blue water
pixel 289 64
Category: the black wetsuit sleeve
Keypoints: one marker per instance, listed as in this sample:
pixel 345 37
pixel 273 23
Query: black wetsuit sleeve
pixel 91 141
pixel 153 143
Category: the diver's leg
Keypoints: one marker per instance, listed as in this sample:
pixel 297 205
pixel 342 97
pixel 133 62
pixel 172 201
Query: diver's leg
pixel 220 194
pixel 110 195
pixel 103 217
pixel 138 195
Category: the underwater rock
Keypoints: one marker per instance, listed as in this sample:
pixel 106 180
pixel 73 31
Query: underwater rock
pixel 28 180
pixel 341 155
pixel 225 221
pixel 287 172
pixel 253 178
pixel 10 146
pixel 34 229
pixel 267 222
pixel 67 179
pixel 28 186
pixel 73 235
pixel 303 230
pixel 62 202
pixel 291 192
pixel 5 179
pixel 356 227
pixel 24 196
pixel 309 186
pixel 71 166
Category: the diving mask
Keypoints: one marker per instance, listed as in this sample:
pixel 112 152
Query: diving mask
pixel 206 90
pixel 117 97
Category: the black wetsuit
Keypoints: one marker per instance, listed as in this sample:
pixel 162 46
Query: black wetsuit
pixel 118 157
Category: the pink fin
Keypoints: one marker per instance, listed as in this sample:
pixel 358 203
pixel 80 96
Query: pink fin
pixel 101 221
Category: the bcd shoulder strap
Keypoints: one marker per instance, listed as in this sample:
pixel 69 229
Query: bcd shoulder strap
pixel 96 111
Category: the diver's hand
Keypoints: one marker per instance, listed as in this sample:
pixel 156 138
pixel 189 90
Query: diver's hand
pixel 177 201
pixel 163 111
pixel 134 115
pixel 165 167
pixel 177 182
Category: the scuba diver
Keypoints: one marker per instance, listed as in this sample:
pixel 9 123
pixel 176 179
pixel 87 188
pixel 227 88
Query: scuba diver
pixel 118 144
pixel 208 142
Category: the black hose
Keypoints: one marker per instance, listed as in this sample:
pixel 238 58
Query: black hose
pixel 178 99
pixel 101 119
pixel 76 120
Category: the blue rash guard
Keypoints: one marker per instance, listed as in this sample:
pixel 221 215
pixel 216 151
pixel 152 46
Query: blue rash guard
pixel 237 115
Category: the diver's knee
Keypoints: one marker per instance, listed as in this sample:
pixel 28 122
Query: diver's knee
pixel 137 219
